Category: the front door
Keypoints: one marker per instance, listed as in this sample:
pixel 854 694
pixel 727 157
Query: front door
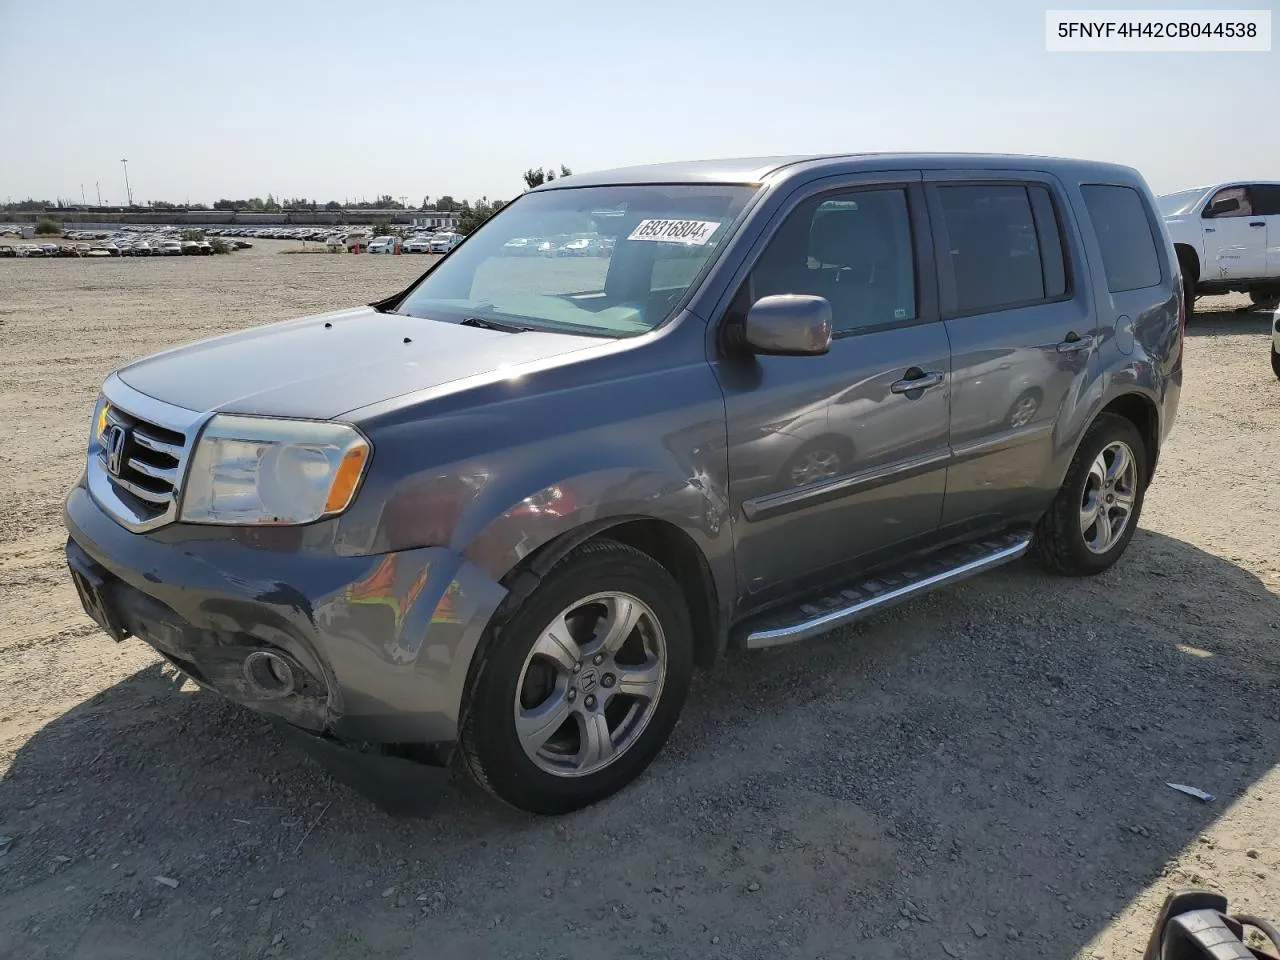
pixel 838 457
pixel 1235 240
pixel 1022 341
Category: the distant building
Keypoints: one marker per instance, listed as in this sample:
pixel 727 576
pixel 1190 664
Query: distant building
pixel 436 220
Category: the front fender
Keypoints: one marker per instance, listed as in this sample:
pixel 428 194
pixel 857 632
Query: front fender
pixel 507 529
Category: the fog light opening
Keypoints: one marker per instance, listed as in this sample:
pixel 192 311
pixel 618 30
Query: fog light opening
pixel 268 674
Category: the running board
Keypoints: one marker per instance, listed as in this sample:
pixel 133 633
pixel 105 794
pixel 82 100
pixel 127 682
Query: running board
pixel 843 605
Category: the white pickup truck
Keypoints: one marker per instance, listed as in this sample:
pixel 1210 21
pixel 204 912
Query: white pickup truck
pixel 1227 238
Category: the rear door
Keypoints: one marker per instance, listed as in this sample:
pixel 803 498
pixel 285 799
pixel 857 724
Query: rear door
pixel 1023 338
pixel 1235 241
pixel 840 457
pixel 1266 199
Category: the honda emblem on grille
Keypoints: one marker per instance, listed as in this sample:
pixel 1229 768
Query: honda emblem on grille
pixel 114 442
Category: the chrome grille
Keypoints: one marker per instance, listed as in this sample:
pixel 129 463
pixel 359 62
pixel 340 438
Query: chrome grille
pixel 149 461
pixel 136 466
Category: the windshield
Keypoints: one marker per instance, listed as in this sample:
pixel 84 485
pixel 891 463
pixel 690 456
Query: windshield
pixel 609 261
pixel 1177 204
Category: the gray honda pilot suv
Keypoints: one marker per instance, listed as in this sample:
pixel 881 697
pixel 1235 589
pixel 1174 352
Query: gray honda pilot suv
pixel 696 407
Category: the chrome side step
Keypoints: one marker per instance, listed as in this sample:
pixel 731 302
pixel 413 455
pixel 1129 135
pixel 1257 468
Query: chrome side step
pixel 844 605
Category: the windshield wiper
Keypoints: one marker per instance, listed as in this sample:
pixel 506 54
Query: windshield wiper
pixel 487 324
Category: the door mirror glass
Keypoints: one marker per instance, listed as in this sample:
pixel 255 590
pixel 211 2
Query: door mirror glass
pixel 789 325
pixel 1220 208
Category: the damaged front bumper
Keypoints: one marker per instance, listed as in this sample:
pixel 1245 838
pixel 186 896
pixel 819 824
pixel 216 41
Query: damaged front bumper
pixel 365 659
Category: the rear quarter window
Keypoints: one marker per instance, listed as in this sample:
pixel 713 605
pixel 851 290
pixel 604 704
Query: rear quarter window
pixel 1130 257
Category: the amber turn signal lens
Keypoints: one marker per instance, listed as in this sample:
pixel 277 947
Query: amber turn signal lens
pixel 346 479
pixel 102 419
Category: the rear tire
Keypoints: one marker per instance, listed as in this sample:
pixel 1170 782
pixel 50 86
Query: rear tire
pixel 1275 362
pixel 565 711
pixel 1264 296
pixel 1066 541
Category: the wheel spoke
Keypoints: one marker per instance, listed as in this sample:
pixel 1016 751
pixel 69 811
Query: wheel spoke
pixel 618 625
pixel 1119 463
pixel 642 681
pixel 1089 513
pixel 596 745
pixel 536 725
pixel 557 644
pixel 1102 536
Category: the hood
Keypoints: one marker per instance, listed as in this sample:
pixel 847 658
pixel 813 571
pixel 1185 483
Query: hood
pixel 323 366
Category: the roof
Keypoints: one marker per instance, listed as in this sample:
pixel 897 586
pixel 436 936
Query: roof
pixel 748 170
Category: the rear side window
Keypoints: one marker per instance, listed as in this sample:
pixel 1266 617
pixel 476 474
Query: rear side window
pixel 1119 218
pixel 1266 199
pixel 995 248
pixel 1049 232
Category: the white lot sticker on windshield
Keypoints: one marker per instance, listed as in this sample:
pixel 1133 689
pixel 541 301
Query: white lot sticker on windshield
pixel 693 232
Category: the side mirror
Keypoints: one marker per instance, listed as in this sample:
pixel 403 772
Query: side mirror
pixel 789 325
pixel 1223 206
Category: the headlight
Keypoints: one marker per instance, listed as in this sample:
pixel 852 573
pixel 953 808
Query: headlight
pixel 250 470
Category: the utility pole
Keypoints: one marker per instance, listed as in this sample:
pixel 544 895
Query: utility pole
pixel 98 186
pixel 83 203
pixel 127 191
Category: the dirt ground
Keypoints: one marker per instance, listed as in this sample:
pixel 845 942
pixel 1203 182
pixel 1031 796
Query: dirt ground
pixel 977 774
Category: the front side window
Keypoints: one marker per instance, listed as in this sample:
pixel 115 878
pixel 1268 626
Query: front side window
pixel 994 247
pixel 1119 218
pixel 1243 208
pixel 854 249
pixel 607 261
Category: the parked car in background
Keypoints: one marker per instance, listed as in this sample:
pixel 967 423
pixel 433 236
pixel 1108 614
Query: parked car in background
pixel 141 248
pixel 170 248
pixel 190 248
pixel 444 242
pixel 417 245
pixel 50 249
pixel 383 245
pixel 520 247
pixel 8 250
pixel 29 250
pixel 580 247
pixel 1227 238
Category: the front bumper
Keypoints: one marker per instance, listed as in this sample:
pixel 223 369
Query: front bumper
pixel 380 646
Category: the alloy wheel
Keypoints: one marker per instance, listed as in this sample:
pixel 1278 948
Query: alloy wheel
pixel 1110 490
pixel 591 684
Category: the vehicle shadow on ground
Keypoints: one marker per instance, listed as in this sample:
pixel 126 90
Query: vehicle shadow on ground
pixel 984 768
pixel 1210 321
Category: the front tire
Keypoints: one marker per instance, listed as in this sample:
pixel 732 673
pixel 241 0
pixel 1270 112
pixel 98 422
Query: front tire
pixel 1094 515
pixel 579 689
pixel 1275 362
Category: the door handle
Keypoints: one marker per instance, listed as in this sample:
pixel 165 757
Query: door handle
pixel 921 381
pixel 1257 223
pixel 1210 229
pixel 1074 344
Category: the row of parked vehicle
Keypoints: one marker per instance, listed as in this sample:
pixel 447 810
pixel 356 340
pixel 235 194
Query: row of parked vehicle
pixel 578 245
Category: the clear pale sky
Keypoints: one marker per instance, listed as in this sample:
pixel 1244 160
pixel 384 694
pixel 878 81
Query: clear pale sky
pixel 237 98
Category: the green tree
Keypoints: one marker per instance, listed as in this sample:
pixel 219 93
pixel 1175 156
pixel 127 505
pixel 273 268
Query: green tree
pixel 333 205
pixel 473 215
pixel 47 227
pixel 271 206
pixel 426 203
pixel 537 177
pixel 447 204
